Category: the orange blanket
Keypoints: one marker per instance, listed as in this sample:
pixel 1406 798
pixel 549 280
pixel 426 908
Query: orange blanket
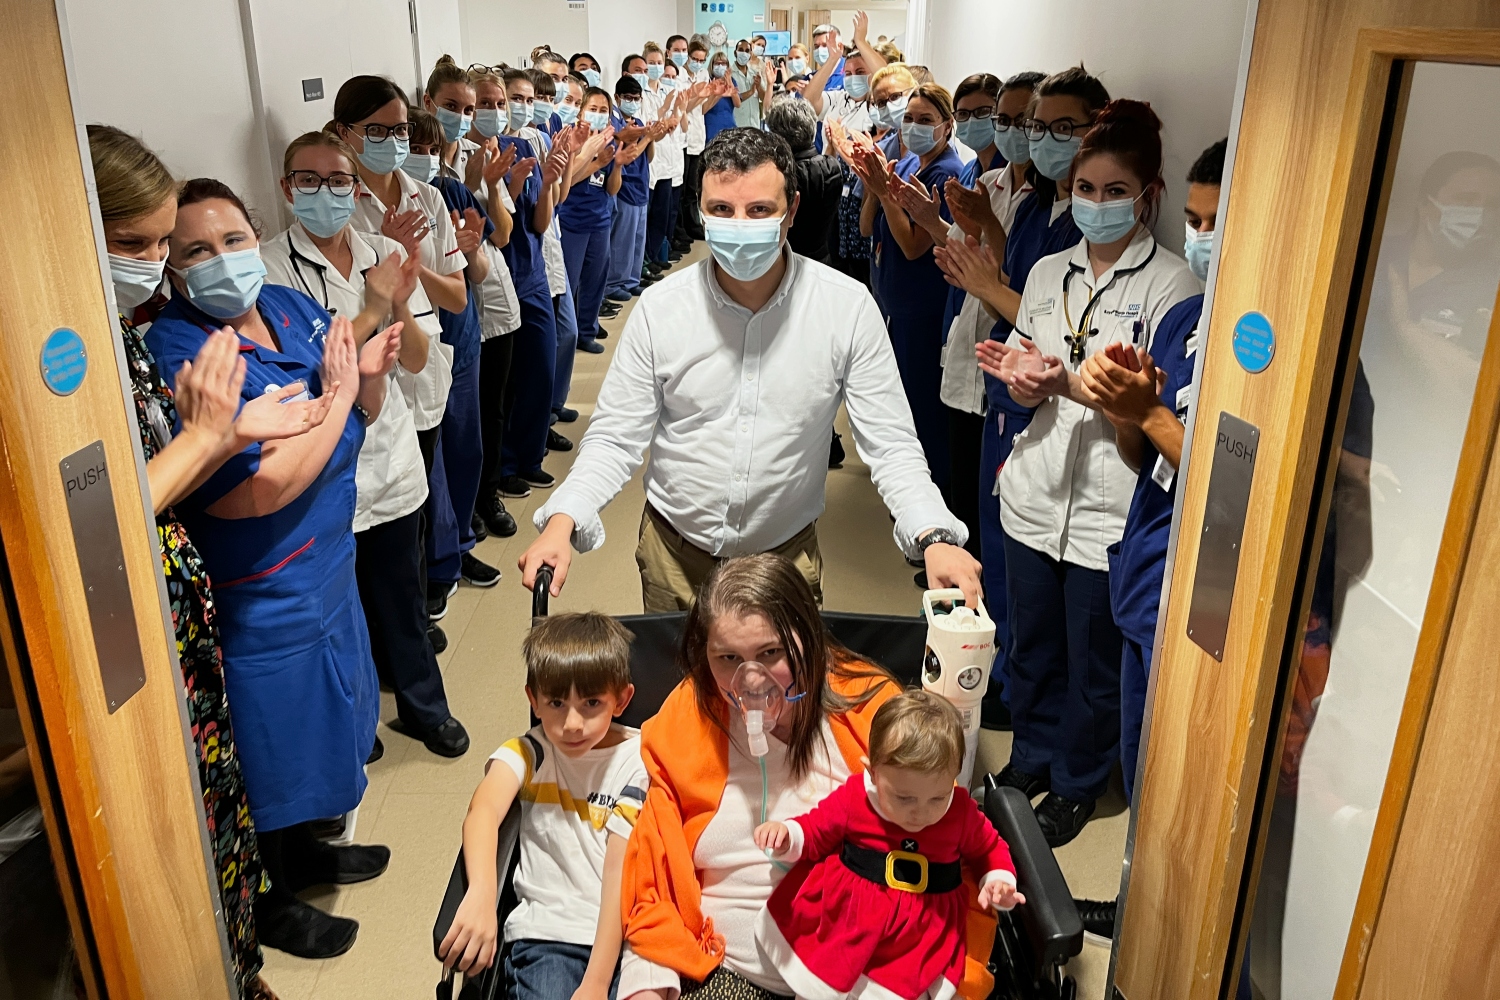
pixel 687 758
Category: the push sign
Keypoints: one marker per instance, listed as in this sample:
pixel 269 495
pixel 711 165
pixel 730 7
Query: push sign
pixel 1235 445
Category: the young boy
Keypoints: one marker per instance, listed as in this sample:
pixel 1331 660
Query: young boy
pixel 581 784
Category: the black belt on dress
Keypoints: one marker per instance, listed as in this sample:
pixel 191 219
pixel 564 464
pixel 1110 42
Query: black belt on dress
pixel 904 870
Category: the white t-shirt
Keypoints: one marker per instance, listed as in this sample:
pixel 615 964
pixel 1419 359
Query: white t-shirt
pixel 838 106
pixel 569 807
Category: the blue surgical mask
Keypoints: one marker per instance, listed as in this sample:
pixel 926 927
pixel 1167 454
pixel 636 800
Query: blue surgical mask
pixel 745 248
pixel 226 286
pixel 758 50
pixel 1197 247
pixel 641 78
pixel 857 87
pixel 489 122
pixel 920 139
pixel 976 133
pixel 324 213
pixel 630 107
pixel 598 120
pixel 821 54
pixel 742 58
pixel 696 65
pixel 593 77
pixel 668 83
pixel 384 156
pixel 567 113
pixel 719 70
pixel 1458 224
pixel 1053 158
pixel 541 112
pixel 455 125
pixel 420 167
pixel 654 71
pixel 1105 221
pixel 135 280
pixel 1013 144
pixel 519 115
pixel 796 66
pixel 680 57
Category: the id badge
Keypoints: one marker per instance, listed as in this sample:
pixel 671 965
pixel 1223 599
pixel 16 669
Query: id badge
pixel 303 396
pixel 1163 474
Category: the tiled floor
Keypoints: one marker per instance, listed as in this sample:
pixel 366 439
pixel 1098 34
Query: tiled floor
pixel 416 801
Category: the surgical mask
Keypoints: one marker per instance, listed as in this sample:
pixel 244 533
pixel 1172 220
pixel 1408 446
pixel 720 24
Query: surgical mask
pixel 680 57
pixel 742 58
pixel 1196 247
pixel 1013 144
pixel 541 112
pixel 746 248
pixel 796 66
pixel 757 50
pixel 324 213
pixel 654 71
pixel 668 83
pixel 598 120
pixel 1105 221
pixel 719 70
pixel 895 110
pixel 1053 158
pixel 696 65
pixel 488 122
pixel 135 280
pixel 455 125
pixel 821 54
pixel 1458 224
pixel 226 286
pixel 420 167
pixel 593 77
pixel 519 115
pixel 567 113
pixel 920 139
pixel 641 78
pixel 384 156
pixel 756 692
pixel 630 108
pixel 976 133
pixel 857 87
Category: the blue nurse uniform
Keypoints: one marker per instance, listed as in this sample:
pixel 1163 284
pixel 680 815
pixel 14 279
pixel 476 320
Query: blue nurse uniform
pixel 297 667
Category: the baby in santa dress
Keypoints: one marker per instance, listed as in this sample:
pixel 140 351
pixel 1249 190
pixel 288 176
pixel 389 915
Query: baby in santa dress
pixel 875 906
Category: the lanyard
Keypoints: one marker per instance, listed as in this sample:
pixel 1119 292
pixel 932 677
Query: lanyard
pixel 1078 336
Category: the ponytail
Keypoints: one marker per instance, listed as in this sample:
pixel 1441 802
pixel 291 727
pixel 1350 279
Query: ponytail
pixel 444 73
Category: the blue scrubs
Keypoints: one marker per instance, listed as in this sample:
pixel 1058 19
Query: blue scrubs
pixel 586 217
pixel 718 118
pixel 890 146
pixel 627 236
pixel 913 294
pixel 1138 561
pixel 297 665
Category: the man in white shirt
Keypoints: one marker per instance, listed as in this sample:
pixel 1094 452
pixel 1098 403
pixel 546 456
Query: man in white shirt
pixel 731 372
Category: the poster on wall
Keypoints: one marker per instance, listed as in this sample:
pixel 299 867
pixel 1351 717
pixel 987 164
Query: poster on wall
pixel 725 22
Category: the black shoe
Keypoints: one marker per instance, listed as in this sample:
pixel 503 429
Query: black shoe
pixel 376 752
pixel 512 486
pixel 836 454
pixel 437 639
pixel 305 931
pixel 448 740
pixel 994 715
pixel 1098 916
pixel 491 510
pixel 609 312
pixel 1031 785
pixel 476 525
pixel 556 442
pixel 653 267
pixel 590 347
pixel 601 334
pixel 476 573
pixel 567 415
pixel 617 297
pixel 1062 819
pixel 437 599
pixel 674 257
pixel 325 864
pixel 540 478
pixel 920 579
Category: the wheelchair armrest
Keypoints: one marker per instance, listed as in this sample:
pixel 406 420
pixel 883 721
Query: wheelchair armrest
pixel 458 882
pixel 1049 916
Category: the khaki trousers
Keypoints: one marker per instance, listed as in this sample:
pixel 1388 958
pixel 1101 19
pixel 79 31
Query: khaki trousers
pixel 672 568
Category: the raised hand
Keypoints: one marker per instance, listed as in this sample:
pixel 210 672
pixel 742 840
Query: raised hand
pixel 1123 381
pixel 407 228
pixel 382 282
pixel 378 356
pixel 630 133
pixel 972 203
pixel 341 358
pixel 556 167
pixel 921 204
pixel 1038 375
pixel 208 387
pixel 474 168
pixel 468 230
pixel 861 34
pixel 629 152
pixel 1000 894
pixel 272 417
pixel 497 163
pixel 520 173
pixel 970 266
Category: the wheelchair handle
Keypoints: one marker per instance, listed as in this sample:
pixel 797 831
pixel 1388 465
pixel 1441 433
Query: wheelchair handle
pixel 541 591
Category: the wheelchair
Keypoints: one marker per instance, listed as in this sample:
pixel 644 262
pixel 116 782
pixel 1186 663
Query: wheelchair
pixel 1033 942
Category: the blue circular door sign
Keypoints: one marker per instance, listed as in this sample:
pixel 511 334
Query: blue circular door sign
pixel 64 361
pixel 1254 342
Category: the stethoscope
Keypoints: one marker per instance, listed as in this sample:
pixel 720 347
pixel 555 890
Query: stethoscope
pixel 298 259
pixel 1078 336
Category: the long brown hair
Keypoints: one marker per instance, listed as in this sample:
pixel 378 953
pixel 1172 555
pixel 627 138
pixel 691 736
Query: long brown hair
pixel 769 585
pixel 131 181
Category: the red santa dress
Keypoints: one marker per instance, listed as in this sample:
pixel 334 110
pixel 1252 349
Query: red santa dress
pixel 833 933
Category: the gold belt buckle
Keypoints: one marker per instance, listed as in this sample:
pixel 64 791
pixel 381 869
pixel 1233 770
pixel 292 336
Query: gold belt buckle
pixel 890 871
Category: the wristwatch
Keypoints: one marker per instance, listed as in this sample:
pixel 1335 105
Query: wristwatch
pixel 935 536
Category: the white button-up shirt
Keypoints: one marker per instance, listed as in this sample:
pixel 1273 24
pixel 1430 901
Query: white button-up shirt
pixel 697 134
pixel 1065 491
pixel 854 115
pixel 737 409
pixel 390 479
pixel 495 297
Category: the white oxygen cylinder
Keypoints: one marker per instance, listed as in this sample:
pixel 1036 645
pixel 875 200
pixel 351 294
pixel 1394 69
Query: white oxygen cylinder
pixel 960 651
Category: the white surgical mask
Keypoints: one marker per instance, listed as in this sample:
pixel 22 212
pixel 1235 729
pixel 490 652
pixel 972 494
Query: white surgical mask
pixel 745 248
pixel 489 122
pixel 135 280
pixel 1458 224
pixel 420 167
pixel 1197 247
pixel 226 286
pixel 1105 221
pixel 821 54
pixel 758 50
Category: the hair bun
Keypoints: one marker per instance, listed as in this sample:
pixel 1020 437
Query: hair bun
pixel 447 60
pixel 1123 111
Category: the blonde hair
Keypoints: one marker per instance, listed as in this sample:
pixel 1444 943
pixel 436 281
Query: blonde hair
pixel 587 652
pixel 922 74
pixel 938 96
pixel 890 52
pixel 898 71
pixel 919 731
pixel 131 180
pixel 311 140
pixel 650 47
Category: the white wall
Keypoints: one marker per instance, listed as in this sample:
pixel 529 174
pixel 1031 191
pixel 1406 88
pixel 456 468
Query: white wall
pixel 496 31
pixel 1181 55
pixel 887 17
pixel 618 29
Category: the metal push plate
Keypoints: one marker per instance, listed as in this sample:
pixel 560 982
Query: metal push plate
pixel 1223 532
pixel 101 562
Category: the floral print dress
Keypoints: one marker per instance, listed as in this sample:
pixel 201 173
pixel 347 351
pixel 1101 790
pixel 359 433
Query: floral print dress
pixel 237 860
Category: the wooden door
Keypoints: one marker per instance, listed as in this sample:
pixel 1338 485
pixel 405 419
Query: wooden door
pixel 815 18
pixel 125 776
pixel 779 19
pixel 1319 112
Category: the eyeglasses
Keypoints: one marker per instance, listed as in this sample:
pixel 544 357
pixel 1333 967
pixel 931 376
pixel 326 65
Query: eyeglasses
pixel 340 185
pixel 962 115
pixel 380 133
pixel 482 68
pixel 1003 123
pixel 1062 129
pixel 893 97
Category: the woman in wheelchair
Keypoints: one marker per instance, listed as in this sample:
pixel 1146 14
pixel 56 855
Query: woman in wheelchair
pixel 773 716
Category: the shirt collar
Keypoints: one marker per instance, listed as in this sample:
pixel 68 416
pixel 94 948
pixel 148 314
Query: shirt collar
pixel 722 299
pixel 364 254
pixel 1134 256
